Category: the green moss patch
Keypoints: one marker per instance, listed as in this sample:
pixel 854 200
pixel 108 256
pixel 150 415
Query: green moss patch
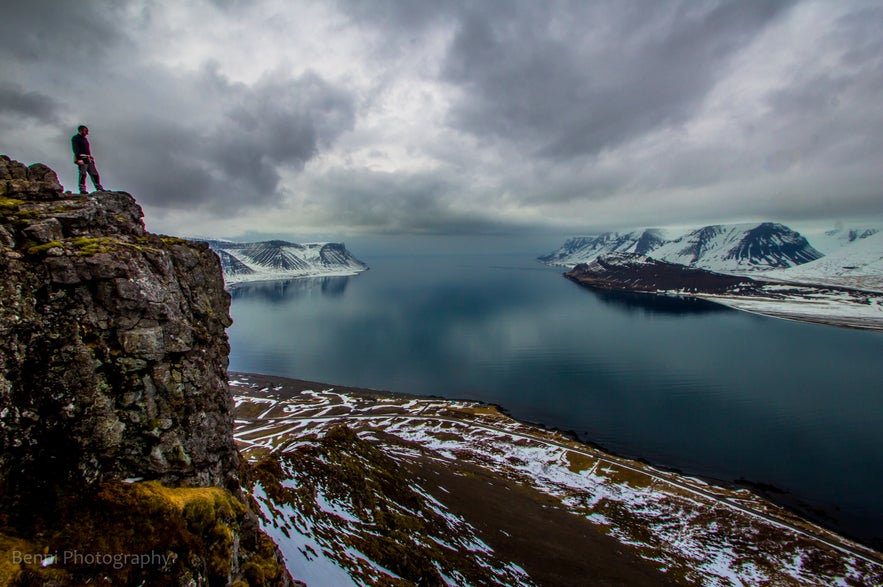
pixel 87 246
pixel 38 249
pixel 14 210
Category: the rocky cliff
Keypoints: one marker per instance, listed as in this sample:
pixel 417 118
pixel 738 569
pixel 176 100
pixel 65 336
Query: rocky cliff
pixel 113 357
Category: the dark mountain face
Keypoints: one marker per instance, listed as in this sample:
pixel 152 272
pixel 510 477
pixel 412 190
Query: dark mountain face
pixel 649 241
pixel 230 265
pixel 273 256
pixel 699 241
pixel 774 245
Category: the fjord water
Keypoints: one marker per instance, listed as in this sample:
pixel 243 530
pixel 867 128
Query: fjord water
pixel 683 384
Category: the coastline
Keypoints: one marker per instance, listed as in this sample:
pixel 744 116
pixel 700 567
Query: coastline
pixel 791 310
pixel 726 494
pixel 840 309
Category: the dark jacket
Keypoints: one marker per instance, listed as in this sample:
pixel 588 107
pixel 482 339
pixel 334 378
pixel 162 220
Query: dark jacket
pixel 80 145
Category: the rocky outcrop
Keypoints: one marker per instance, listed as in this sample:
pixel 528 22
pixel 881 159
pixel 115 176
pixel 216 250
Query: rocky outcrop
pixel 113 350
pixel 631 272
pixel 112 342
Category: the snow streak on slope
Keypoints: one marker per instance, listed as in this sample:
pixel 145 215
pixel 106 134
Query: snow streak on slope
pixel 273 260
pixel 343 513
pixel 739 248
pixel 702 533
pixel 734 248
pixel 581 249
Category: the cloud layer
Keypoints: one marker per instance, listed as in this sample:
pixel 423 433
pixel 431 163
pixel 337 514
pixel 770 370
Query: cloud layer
pixel 455 117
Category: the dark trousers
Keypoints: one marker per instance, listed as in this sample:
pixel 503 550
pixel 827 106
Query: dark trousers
pixel 88 166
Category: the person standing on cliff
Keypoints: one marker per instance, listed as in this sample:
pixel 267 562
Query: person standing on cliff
pixel 84 159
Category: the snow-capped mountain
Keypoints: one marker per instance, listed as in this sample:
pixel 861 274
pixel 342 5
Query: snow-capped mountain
pixel 582 249
pixel 271 260
pixel 726 248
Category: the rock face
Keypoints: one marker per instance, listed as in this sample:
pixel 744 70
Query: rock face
pixel 113 352
pixel 112 342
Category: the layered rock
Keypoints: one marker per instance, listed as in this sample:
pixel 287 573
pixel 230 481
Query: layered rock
pixel 113 350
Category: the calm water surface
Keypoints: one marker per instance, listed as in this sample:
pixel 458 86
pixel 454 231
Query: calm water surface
pixel 683 384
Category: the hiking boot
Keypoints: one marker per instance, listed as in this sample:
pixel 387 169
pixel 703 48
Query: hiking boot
pixel 100 188
pixel 83 192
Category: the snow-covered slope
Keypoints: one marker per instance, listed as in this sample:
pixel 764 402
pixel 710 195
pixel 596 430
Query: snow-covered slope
pixel 726 248
pixel 828 241
pixel 362 489
pixel 859 264
pixel 582 249
pixel 739 248
pixel 269 260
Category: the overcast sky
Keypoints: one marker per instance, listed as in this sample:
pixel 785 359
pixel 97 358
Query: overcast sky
pixel 516 117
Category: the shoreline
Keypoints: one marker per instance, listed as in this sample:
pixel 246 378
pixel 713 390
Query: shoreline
pixel 814 303
pixel 266 278
pixel 853 323
pixel 777 496
pixel 755 305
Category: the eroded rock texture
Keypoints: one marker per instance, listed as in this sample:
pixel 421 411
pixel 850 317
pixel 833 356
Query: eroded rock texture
pixel 113 350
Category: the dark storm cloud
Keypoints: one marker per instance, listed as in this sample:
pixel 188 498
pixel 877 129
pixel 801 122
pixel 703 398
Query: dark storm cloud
pixel 571 80
pixel 824 118
pixel 455 116
pixel 16 102
pixel 414 203
pixel 234 160
pixel 73 33
pixel 285 121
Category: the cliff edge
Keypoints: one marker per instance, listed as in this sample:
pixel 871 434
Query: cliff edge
pixel 113 395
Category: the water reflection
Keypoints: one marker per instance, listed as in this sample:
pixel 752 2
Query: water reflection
pixel 290 289
pixel 643 303
pixel 681 382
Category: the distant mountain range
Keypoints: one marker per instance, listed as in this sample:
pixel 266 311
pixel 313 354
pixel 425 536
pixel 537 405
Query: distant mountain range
pixel 276 259
pixel 723 248
pixel 789 277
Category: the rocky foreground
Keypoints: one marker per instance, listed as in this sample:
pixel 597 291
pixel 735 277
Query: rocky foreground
pixel 117 462
pixel 364 488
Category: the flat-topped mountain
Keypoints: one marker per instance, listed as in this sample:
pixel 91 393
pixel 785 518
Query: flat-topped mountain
pixel 277 259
